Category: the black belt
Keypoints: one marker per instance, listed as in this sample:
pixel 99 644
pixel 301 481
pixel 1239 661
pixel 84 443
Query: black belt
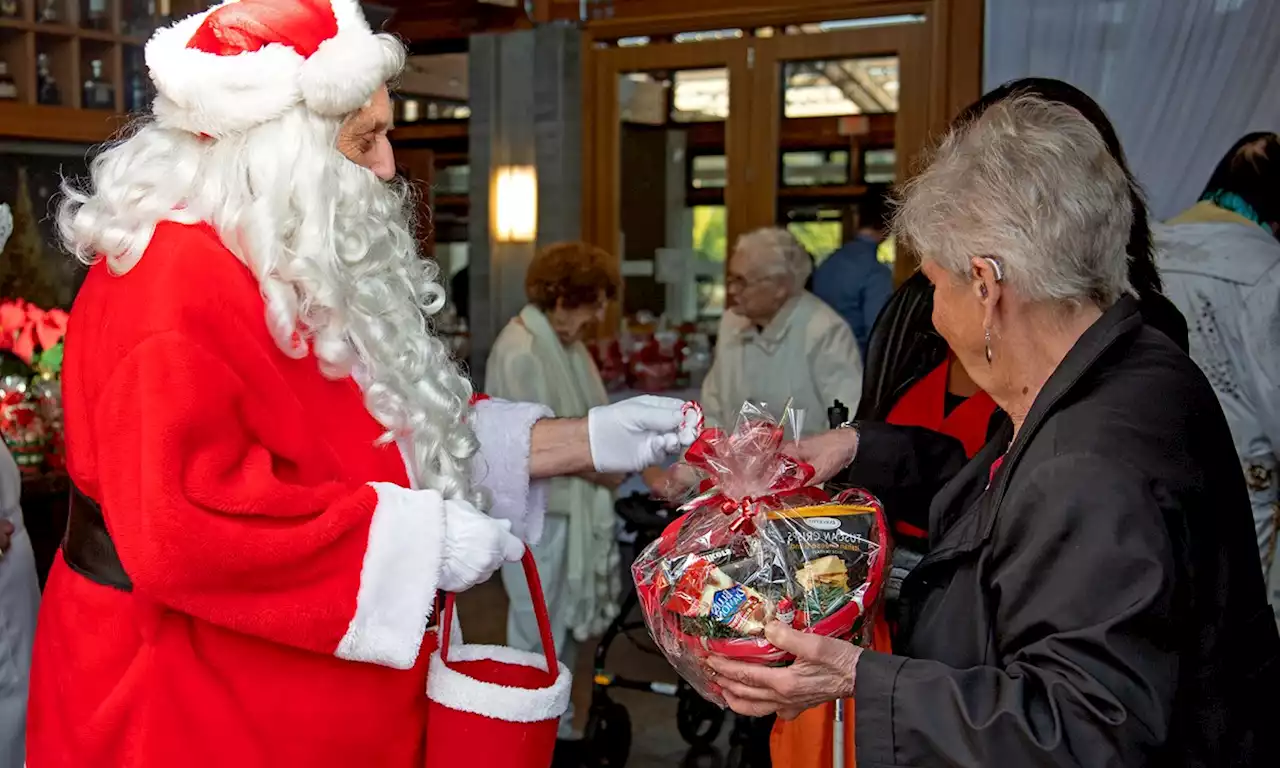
pixel 87 547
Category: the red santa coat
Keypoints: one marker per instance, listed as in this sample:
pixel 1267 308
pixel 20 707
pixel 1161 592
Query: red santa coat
pixel 283 567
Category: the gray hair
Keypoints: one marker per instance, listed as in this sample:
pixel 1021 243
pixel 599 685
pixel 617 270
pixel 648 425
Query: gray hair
pixel 1030 182
pixel 788 256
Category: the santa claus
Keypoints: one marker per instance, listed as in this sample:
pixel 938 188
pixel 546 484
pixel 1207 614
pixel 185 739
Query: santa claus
pixel 276 465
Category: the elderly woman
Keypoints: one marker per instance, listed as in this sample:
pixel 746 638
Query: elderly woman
pixel 540 358
pixel 778 342
pixel 1090 596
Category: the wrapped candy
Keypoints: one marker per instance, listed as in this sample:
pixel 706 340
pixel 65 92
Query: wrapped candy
pixel 758 544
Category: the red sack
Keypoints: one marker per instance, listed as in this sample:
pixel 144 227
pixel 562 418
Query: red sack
pixel 491 706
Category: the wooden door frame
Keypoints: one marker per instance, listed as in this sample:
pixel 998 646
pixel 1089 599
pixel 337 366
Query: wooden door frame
pixel 602 132
pixel 913 120
pixel 941 57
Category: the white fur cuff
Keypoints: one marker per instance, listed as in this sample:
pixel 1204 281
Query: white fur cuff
pixel 502 465
pixel 398 578
pixel 457 691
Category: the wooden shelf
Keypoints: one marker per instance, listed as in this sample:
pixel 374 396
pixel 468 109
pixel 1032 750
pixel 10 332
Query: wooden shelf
pixel 451 129
pixel 70 50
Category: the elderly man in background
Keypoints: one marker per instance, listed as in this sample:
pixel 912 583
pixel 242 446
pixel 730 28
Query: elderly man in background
pixel 1221 265
pixel 778 342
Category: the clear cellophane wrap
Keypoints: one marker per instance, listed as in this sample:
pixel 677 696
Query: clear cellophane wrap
pixel 758 543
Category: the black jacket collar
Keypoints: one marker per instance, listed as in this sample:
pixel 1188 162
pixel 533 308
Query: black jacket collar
pixel 963 525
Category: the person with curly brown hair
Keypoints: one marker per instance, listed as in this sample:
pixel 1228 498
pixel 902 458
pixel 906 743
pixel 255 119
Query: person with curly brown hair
pixel 540 357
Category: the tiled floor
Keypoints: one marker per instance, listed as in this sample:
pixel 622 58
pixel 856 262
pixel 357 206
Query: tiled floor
pixel 655 741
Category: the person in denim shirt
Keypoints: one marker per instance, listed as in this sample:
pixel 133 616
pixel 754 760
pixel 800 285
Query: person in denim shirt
pixel 852 281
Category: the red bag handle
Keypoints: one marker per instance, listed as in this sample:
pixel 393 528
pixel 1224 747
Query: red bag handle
pixel 539 611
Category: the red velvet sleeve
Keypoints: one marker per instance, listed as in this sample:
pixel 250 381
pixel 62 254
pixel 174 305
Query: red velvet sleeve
pixel 205 525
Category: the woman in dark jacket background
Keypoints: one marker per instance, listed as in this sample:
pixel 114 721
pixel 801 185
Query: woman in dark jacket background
pixel 1090 596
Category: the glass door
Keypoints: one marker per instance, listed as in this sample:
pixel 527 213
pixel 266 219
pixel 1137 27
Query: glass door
pixel 672 122
pixel 843 109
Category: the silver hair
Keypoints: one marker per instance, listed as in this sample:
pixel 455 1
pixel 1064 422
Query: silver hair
pixel 1031 183
pixel 333 249
pixel 787 255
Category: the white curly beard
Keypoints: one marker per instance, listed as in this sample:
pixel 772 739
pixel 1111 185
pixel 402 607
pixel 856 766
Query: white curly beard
pixel 333 249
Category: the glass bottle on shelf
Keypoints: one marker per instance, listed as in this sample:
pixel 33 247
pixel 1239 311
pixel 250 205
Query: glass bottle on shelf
pixel 10 9
pixel 48 12
pixel 140 17
pixel 93 14
pixel 98 93
pixel 136 95
pixel 46 87
pixel 8 88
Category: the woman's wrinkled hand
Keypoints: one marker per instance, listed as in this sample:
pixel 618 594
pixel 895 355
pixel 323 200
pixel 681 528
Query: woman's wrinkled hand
pixel 670 483
pixel 824 670
pixel 827 453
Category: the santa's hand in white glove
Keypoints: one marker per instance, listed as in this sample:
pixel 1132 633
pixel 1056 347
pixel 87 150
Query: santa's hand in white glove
pixel 640 432
pixel 475 546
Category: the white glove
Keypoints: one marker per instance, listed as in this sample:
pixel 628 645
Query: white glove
pixel 638 433
pixel 475 545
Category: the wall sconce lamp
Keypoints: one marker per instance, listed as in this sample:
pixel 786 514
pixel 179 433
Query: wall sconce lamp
pixel 515 204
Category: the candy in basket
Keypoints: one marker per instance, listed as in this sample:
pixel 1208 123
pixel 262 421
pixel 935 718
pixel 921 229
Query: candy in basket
pixel 757 544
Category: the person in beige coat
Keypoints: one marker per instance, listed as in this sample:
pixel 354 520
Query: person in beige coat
pixel 778 343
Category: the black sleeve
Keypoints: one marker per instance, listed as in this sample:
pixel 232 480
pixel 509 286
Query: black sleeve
pixel 1080 594
pixel 904 467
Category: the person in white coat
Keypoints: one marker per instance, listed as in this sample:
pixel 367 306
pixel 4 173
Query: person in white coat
pixel 539 357
pixel 1221 266
pixel 19 603
pixel 778 343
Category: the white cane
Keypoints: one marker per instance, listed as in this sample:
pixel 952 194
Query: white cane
pixel 837 736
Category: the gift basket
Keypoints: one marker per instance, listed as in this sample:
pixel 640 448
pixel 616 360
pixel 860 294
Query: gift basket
pixel 758 544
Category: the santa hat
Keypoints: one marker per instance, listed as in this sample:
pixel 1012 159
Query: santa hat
pixel 246 62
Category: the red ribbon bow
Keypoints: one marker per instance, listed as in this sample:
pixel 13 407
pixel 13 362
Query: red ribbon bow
pixel 716 453
pixel 23 324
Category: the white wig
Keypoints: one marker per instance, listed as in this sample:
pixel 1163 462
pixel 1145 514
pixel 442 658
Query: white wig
pixel 1030 182
pixel 333 249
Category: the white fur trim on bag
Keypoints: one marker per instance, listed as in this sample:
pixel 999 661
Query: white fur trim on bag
pixel 502 465
pixel 455 690
pixel 398 578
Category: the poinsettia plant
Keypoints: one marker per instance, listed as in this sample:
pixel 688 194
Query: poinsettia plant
pixel 30 390
pixel 33 335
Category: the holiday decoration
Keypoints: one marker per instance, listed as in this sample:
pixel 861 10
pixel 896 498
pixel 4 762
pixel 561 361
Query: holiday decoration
pixel 30 392
pixel 759 544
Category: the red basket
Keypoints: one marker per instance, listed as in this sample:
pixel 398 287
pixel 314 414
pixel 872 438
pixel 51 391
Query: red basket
pixel 492 706
pixel 842 624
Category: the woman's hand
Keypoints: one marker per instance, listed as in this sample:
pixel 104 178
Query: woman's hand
pixel 827 453
pixel 6 531
pixel 824 670
pixel 670 483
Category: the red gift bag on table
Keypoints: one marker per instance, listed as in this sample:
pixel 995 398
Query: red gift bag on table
pixel 495 707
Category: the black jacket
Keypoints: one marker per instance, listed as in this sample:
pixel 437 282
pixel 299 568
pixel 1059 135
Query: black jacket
pixel 1101 603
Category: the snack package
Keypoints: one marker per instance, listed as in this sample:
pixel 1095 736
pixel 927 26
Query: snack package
pixel 759 544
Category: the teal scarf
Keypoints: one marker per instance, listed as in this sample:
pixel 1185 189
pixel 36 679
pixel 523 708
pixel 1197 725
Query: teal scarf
pixel 1230 201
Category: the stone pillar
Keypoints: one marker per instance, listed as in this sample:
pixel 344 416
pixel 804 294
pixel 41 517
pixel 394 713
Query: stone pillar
pixel 526 109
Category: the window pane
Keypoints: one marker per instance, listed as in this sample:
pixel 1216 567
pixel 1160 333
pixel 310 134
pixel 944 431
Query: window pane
pixel 710 238
pixel 701 95
pixel 709 171
pixel 708 34
pixel 840 87
pixel 815 169
pixel 879 166
pixel 453 180
pixel 833 26
pixel 819 238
